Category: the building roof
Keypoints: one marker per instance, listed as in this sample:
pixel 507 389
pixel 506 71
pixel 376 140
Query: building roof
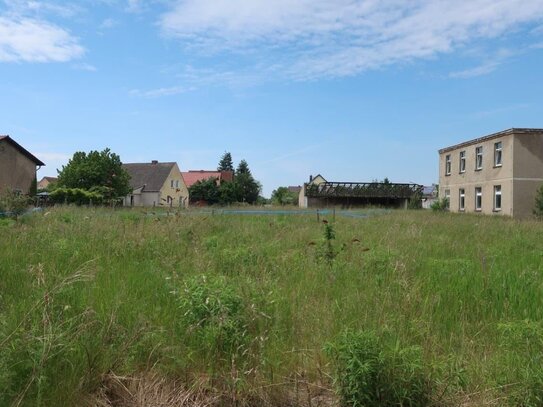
pixel 193 176
pixel 294 189
pixel 22 150
pixel 49 179
pixel 492 136
pixel 151 176
pixel 429 190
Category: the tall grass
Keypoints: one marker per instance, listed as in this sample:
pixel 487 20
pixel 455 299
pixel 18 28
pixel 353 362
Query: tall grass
pixel 90 293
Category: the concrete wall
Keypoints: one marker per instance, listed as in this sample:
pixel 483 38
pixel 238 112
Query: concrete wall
pixel 527 172
pixel 485 178
pixel 16 170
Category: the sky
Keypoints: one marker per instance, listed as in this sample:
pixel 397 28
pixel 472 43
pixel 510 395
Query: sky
pixel 354 90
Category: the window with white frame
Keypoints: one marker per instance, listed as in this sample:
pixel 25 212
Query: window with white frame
pixel 497 197
pixel 462 161
pixel 498 154
pixel 478 198
pixel 448 198
pixel 461 199
pixel 448 164
pixel 479 158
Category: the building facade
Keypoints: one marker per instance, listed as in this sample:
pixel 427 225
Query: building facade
pixel 496 174
pixel 156 184
pixel 17 166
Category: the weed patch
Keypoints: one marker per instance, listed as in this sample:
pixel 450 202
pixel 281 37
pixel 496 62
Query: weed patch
pixel 370 373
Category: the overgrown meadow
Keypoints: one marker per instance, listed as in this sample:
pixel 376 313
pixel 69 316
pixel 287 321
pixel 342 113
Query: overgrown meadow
pixel 404 308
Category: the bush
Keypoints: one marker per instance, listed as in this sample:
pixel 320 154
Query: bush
pixel 538 208
pixel 78 196
pixel 13 203
pixel 370 374
pixel 215 313
pixel 440 205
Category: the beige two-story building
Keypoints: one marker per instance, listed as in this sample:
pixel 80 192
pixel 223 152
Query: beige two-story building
pixel 495 174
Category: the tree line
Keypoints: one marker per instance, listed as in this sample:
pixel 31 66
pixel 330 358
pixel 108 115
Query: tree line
pixel 242 188
pixel 98 177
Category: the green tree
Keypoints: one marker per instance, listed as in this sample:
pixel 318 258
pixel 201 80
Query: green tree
pixel 282 196
pixel 205 190
pixel 248 188
pixel 96 170
pixel 226 163
pixel 228 193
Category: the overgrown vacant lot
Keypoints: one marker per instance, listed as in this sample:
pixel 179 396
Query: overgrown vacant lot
pixel 123 308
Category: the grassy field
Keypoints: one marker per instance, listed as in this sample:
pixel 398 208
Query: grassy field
pixel 116 308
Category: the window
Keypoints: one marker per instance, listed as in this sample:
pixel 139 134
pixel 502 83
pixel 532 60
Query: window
pixel 448 164
pixel 462 161
pixel 478 198
pixel 498 154
pixel 177 183
pixel 171 182
pixel 461 199
pixel 497 197
pixel 478 158
pixel 448 198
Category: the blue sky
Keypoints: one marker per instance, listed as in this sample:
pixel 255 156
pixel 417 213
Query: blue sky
pixel 353 89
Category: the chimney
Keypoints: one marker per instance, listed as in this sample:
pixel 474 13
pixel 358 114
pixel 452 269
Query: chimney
pixel 310 178
pixel 154 162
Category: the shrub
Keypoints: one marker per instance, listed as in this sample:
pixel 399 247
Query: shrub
pixel 440 205
pixel 538 208
pixel 327 250
pixel 13 203
pixel 371 374
pixel 215 312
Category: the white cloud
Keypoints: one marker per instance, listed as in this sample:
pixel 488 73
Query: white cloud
pixel 319 38
pixel 160 92
pixel 134 6
pixel 33 7
pixel 108 23
pixel 487 66
pixel 32 40
pixel 53 156
pixel 85 67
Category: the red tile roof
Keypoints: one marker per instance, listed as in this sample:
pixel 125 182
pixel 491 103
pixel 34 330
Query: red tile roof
pixel 193 176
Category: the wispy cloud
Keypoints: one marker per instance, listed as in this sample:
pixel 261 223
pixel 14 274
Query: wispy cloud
pixel 488 66
pixel 160 92
pixel 85 67
pixel 108 23
pixel 37 8
pixel 330 38
pixel 47 156
pixel 33 40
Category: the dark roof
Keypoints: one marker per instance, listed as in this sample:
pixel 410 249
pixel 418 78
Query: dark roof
pixel 151 176
pixel 22 150
pixel 295 189
pixel 492 136
pixel 429 190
